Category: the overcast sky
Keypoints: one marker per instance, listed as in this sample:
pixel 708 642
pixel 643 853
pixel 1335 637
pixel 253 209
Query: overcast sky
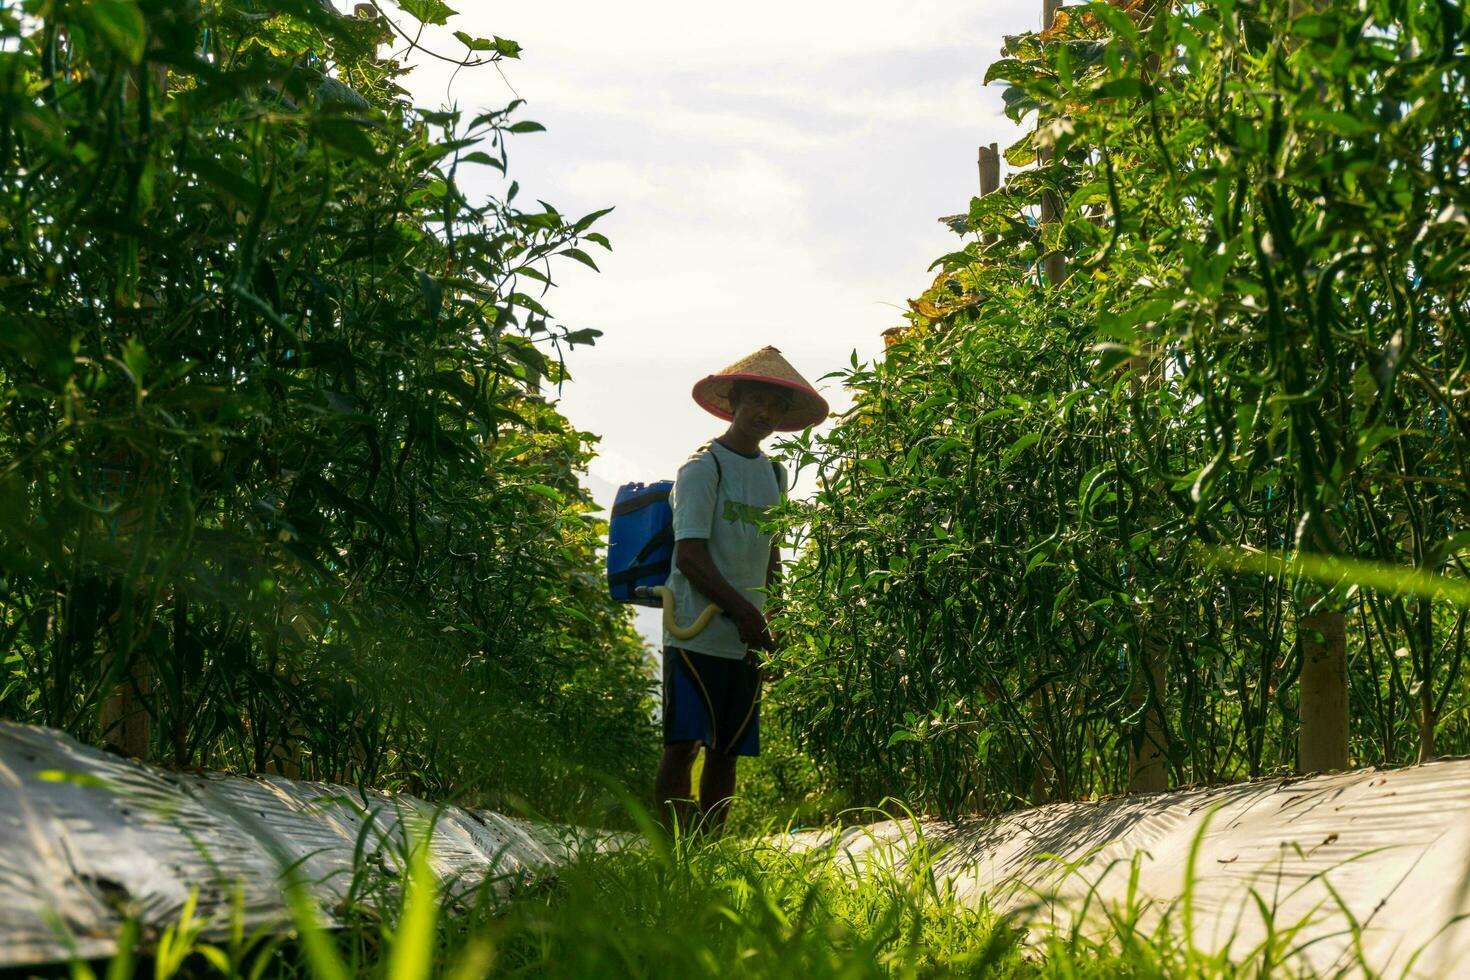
pixel 777 170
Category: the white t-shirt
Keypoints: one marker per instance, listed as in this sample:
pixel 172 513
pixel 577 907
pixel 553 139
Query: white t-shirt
pixel 724 507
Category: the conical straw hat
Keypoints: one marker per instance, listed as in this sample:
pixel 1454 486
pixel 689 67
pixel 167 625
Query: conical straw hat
pixel 769 367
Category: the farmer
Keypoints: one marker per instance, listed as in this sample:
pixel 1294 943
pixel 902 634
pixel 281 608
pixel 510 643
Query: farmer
pixel 712 682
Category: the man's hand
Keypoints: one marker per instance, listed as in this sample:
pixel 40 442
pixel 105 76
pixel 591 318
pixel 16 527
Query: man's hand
pixel 752 626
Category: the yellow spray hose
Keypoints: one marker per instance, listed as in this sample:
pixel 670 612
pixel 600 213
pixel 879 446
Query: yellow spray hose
pixel 673 628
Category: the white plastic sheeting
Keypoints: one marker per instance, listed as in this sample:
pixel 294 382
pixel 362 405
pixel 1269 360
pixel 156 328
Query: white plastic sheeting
pixel 1385 850
pixel 88 839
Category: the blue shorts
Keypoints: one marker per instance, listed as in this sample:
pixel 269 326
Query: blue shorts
pixel 714 700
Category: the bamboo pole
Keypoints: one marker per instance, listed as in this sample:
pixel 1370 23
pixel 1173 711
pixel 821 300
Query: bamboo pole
pixel 1322 741
pixel 124 718
pixel 1049 10
pixel 1053 270
pixel 1053 264
pixel 989 165
pixel 1428 715
pixel 1148 761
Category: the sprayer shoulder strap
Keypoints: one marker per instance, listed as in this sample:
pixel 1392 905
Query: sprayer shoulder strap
pixel 709 450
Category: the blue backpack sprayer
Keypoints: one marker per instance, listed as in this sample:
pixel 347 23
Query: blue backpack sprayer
pixel 640 550
pixel 640 553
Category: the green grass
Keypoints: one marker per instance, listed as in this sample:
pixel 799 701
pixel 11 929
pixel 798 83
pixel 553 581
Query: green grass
pixel 746 908
pixel 691 908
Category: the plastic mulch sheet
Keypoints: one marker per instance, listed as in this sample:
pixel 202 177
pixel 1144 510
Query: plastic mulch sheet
pixel 88 840
pixel 1370 868
pixel 1373 866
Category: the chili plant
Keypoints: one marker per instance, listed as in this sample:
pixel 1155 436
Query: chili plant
pixel 1011 576
pixel 283 486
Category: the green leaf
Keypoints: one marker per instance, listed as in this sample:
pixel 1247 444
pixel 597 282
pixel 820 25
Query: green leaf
pixel 481 157
pixel 192 397
pixel 225 179
pixel 412 952
pixel 580 256
pixel 526 126
pixel 1314 26
pixel 587 220
pixel 345 135
pixel 1110 356
pixel 1334 571
pixel 1020 446
pixel 1021 153
pixel 1018 102
pixel 332 91
pixel 135 357
pixel 1338 122
pixel 121 24
pixel 433 292
pixel 1373 438
pixel 1451 546
pixel 521 299
pixel 475 43
pixel 1119 88
pixel 1010 70
pixel 584 336
pixel 1116 19
pixel 428 11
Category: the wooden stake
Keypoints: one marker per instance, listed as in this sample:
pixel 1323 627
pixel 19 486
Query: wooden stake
pixel 1428 716
pixel 1322 742
pixel 1053 264
pixel 1148 761
pixel 989 163
pixel 124 719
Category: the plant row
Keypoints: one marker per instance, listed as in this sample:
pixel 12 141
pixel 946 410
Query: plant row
pixel 1143 483
pixel 283 485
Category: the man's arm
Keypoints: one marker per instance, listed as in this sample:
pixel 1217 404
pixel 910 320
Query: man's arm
pixel 691 556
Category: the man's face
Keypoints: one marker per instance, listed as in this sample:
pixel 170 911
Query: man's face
pixel 757 408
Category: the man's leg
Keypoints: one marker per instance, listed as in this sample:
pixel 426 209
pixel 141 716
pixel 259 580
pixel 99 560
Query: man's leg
pixel 672 797
pixel 716 787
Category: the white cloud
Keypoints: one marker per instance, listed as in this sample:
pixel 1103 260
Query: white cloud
pixel 949 102
pixel 676 35
pixel 612 180
pixel 750 188
pixel 680 108
pixel 777 170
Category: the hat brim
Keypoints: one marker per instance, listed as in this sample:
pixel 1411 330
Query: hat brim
pixel 807 407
